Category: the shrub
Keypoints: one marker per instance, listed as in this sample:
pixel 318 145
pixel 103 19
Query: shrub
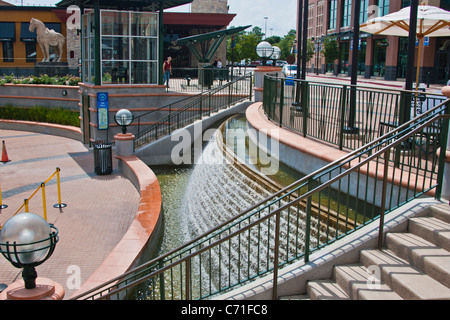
pixel 42 79
pixel 41 114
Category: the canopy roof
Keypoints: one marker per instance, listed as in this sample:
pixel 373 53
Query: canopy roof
pixel 210 35
pixel 216 36
pixel 125 4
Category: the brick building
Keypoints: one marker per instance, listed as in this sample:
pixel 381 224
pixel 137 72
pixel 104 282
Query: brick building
pixel 20 51
pixel 379 56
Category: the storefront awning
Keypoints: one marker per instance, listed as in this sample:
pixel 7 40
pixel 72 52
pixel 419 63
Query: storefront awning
pixel 148 5
pixel 7 31
pixel 27 35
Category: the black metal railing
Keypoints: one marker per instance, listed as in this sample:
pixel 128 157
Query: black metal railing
pixel 369 182
pixel 186 111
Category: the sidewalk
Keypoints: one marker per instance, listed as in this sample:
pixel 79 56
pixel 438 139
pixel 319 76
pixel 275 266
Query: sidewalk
pixel 99 209
pixel 373 82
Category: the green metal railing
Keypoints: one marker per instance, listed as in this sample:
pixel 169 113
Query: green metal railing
pixel 325 110
pixel 186 111
pixel 369 182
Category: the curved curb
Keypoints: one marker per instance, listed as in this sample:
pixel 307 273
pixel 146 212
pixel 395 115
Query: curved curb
pixel 144 232
pixel 42 127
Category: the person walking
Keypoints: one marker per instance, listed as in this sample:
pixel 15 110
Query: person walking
pixel 167 69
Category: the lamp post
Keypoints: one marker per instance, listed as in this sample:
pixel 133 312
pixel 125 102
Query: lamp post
pixel 124 118
pixel 275 55
pixel 124 140
pixel 317 47
pixel 27 241
pixel 264 50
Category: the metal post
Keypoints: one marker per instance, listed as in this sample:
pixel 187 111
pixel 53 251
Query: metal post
pixel 351 129
pixel 44 203
pixel 405 115
pixel 281 103
pixel 160 42
pixel 2 206
pixel 276 258
pixel 58 183
pixel 308 223
pixel 383 199
pixel 97 29
pixel 304 40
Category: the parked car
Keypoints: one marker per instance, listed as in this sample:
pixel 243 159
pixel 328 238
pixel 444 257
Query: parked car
pixel 255 63
pixel 281 63
pixel 289 70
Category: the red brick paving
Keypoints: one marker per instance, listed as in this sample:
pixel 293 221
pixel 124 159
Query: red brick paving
pixel 100 208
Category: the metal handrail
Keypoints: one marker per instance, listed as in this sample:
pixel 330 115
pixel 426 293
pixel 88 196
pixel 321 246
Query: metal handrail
pixel 192 110
pixel 369 153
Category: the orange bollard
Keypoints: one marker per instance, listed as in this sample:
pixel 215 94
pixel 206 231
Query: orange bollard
pixel 4 153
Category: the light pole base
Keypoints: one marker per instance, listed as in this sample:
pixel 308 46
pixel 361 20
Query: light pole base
pixel 46 289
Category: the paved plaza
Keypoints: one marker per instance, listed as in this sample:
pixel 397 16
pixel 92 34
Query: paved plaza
pixel 100 208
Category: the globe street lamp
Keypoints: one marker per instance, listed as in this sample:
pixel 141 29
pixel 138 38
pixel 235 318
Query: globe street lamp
pixel 124 118
pixel 27 241
pixel 264 50
pixel 276 54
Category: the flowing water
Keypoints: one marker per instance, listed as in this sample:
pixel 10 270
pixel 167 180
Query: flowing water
pixel 199 197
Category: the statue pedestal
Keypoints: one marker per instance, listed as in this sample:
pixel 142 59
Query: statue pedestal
pixel 51 68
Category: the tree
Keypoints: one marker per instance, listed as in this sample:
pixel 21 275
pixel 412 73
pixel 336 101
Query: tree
pixel 286 44
pixel 330 49
pixel 244 45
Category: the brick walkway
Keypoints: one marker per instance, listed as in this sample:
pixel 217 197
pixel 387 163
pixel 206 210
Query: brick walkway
pixel 100 208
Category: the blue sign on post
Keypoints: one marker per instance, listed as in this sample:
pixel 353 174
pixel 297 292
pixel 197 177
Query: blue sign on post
pixel 102 111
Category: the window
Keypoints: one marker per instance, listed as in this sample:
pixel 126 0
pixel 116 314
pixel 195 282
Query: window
pixel 332 15
pixel 8 51
pixel 30 51
pixel 364 13
pixel 319 23
pixel 383 6
pixel 129 47
pixel 346 13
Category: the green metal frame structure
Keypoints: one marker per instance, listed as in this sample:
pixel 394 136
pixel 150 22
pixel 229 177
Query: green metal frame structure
pixel 137 5
pixel 217 38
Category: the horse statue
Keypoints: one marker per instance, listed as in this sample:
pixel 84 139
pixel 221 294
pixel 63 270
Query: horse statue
pixel 46 38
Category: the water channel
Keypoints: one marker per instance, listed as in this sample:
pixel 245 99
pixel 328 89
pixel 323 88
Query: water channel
pixel 196 197
pixel 200 196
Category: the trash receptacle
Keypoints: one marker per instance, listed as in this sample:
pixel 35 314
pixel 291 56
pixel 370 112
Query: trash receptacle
pixel 207 76
pixel 102 157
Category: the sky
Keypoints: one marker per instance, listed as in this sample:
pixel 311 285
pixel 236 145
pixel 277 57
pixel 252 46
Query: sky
pixel 281 15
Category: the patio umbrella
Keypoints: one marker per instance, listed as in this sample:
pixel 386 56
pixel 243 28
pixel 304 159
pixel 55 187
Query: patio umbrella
pixel 431 22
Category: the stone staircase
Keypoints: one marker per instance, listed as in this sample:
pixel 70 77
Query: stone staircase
pixel 413 265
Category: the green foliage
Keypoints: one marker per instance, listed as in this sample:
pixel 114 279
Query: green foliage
pixel 41 114
pixel 42 79
pixel 246 42
pixel 330 49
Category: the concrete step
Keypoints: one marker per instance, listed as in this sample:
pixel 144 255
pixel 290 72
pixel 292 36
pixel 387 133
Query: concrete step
pixel 431 229
pixel 359 283
pixel 295 297
pixel 422 254
pixel 325 290
pixel 441 211
pixel 407 281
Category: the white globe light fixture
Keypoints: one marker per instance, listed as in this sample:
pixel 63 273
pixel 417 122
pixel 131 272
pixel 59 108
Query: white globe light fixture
pixel 124 118
pixel 26 241
pixel 264 50
pixel 276 54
